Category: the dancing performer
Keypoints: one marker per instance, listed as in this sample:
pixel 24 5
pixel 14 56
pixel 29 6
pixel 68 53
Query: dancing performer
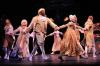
pixel 70 44
pixel 90 42
pixel 23 40
pixel 39 25
pixel 57 40
pixel 9 38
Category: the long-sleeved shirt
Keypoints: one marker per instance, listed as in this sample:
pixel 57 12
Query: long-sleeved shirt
pixel 39 24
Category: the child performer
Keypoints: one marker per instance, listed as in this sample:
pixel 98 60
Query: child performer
pixel 57 40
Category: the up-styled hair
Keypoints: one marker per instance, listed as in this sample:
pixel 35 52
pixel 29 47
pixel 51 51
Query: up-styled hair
pixel 24 21
pixel 90 17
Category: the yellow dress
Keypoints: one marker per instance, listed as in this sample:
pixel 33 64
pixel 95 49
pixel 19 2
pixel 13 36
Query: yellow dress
pixel 70 44
pixel 89 34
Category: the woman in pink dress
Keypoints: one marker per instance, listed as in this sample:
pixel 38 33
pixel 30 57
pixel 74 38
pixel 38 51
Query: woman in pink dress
pixel 23 39
pixel 57 41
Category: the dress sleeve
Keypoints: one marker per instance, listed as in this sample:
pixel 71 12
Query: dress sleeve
pixel 16 30
pixel 51 34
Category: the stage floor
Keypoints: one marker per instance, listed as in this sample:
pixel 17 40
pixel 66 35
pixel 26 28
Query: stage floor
pixel 53 60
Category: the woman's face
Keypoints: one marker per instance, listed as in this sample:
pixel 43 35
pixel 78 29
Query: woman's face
pixel 7 22
pixel 74 19
pixel 24 23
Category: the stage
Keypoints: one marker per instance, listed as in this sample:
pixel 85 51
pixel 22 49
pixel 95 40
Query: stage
pixel 53 60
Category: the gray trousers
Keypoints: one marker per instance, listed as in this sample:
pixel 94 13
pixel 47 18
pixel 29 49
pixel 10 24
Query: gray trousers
pixel 39 41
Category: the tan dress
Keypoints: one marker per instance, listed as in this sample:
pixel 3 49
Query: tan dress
pixel 70 44
pixel 89 34
pixel 23 41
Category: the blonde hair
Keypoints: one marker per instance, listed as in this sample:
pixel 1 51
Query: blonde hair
pixel 24 21
pixel 72 16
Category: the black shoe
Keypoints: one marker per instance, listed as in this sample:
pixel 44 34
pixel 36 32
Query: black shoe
pixel 60 57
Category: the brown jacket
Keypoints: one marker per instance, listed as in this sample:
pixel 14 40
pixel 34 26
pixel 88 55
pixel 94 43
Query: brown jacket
pixel 39 24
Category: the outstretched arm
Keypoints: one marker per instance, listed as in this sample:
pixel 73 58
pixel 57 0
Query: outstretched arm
pixel 16 30
pixel 51 34
pixel 79 27
pixel 51 23
pixel 63 26
pixel 66 25
pixel 60 33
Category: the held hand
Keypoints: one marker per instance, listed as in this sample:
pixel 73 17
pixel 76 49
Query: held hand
pixel 46 36
pixel 51 19
pixel 10 33
pixel 57 28
pixel 84 29
pixel 66 19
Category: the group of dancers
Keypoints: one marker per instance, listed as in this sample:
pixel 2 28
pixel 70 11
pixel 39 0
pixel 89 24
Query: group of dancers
pixel 69 45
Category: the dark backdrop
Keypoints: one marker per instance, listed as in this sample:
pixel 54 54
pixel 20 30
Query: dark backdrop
pixel 16 10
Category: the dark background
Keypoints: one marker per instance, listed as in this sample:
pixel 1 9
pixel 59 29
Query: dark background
pixel 16 10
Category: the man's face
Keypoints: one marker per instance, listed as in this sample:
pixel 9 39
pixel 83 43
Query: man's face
pixel 42 12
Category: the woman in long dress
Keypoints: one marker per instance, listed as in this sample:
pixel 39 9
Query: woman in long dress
pixel 57 40
pixel 23 39
pixel 70 44
pixel 9 38
pixel 90 43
